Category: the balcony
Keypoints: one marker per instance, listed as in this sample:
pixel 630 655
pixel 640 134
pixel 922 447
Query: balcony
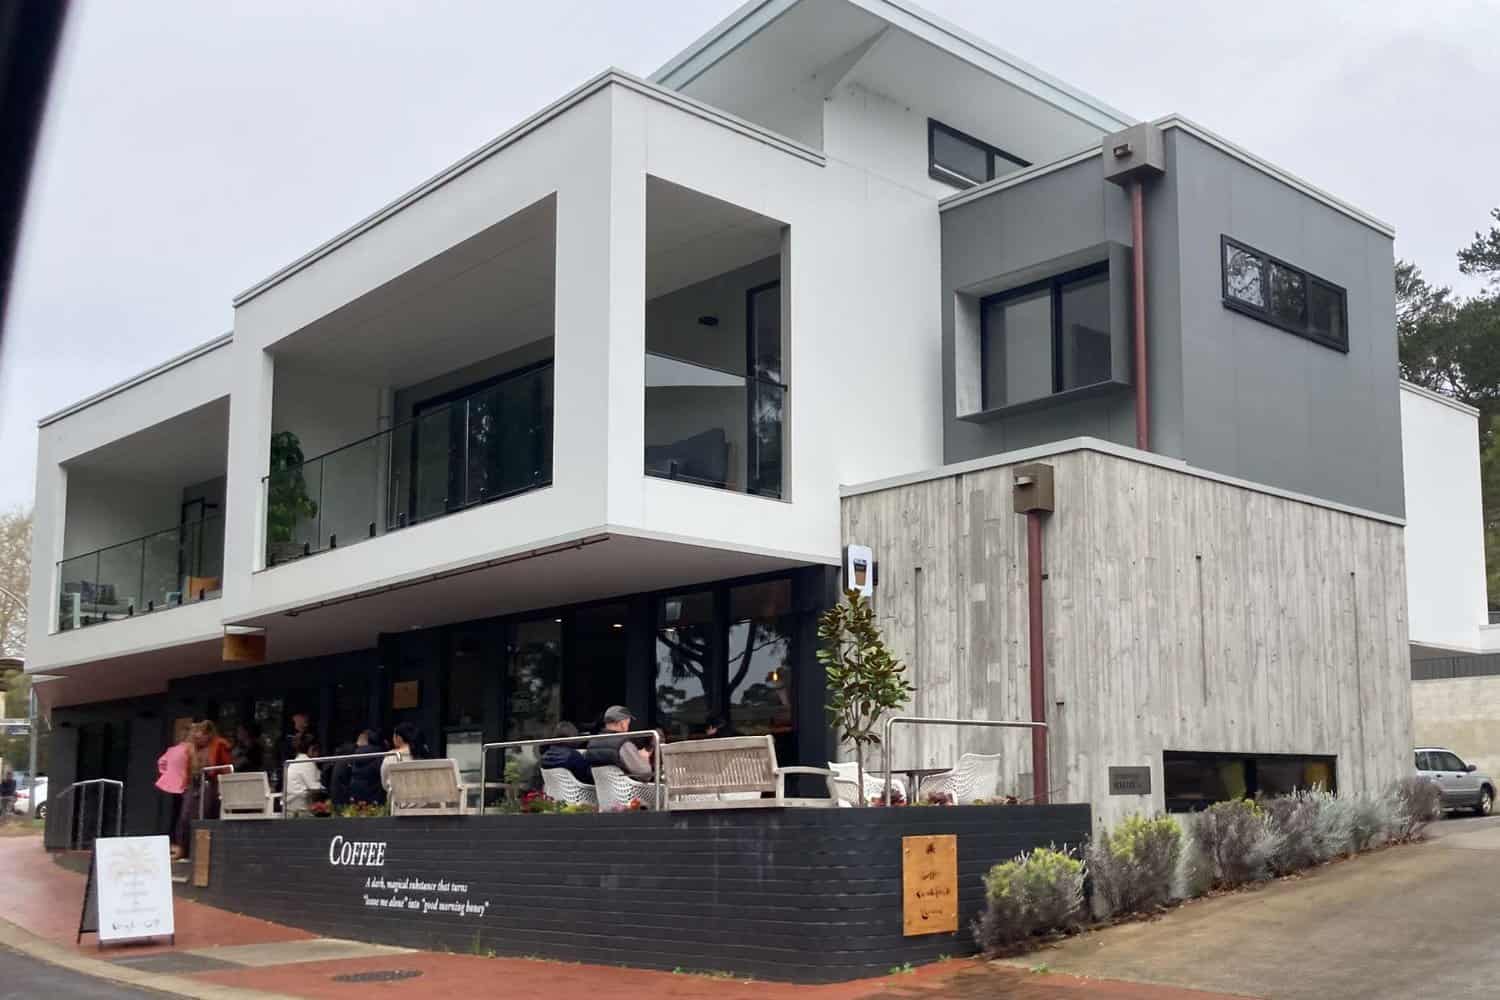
pixel 716 381
pixel 456 453
pixel 165 569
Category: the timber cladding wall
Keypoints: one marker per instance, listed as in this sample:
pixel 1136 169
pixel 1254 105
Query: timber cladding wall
pixel 1183 612
pixel 809 895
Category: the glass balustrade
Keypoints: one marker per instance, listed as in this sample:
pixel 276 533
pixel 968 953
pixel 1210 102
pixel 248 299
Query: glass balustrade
pixel 713 427
pixel 494 443
pixel 165 569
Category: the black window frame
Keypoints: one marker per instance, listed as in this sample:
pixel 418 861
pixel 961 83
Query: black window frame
pixel 1264 312
pixel 948 175
pixel 1054 285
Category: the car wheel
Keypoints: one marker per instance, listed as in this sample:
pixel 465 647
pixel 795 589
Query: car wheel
pixel 41 811
pixel 1486 802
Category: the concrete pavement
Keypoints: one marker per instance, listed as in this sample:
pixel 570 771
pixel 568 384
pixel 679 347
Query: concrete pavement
pixel 22 976
pixel 1418 921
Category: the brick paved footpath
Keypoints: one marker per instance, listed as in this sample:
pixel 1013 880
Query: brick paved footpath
pixel 223 954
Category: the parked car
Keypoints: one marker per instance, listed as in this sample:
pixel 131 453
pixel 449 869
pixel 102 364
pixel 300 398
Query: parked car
pixel 33 801
pixel 1461 784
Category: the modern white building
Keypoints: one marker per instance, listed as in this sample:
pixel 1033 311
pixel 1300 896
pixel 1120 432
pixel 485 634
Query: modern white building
pixel 577 420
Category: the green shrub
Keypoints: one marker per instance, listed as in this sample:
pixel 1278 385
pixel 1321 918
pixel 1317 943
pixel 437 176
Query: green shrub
pixel 1415 802
pixel 1373 817
pixel 1238 840
pixel 1038 891
pixel 1133 865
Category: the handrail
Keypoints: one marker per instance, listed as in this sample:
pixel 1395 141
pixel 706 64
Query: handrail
pixel 286 765
pixel 921 720
pixel 502 380
pixel 746 376
pixel 99 813
pixel 203 780
pixel 485 748
pixel 142 538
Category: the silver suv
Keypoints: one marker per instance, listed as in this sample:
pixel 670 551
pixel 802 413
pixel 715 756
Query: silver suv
pixel 1462 785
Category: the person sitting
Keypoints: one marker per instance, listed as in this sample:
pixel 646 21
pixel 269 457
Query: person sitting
pixel 566 756
pixel 304 782
pixel 406 742
pixel 364 775
pixel 621 751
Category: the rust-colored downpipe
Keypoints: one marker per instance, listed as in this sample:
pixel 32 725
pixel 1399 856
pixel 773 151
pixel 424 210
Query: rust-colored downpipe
pixel 1138 276
pixel 1035 644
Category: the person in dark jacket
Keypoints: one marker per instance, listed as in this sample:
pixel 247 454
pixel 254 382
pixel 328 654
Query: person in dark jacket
pixel 364 775
pixel 567 756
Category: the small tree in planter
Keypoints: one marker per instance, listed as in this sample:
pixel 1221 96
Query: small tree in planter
pixel 287 499
pixel 864 680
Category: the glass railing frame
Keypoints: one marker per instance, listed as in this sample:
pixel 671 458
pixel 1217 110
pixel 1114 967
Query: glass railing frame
pixel 404 519
pixel 786 392
pixel 151 607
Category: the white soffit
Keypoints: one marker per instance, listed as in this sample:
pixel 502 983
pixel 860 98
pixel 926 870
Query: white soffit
pixel 747 22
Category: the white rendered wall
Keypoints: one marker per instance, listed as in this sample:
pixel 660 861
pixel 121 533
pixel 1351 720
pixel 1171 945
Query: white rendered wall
pixel 1444 521
pixel 167 394
pixel 568 156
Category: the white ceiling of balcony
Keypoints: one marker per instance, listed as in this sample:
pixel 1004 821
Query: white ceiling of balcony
pixel 190 448
pixel 485 296
pixel 692 236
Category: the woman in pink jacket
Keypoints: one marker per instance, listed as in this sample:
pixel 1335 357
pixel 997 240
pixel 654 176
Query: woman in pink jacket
pixel 173 770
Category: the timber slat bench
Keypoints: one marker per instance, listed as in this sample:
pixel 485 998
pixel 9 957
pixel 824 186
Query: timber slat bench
pixel 427 788
pixel 246 795
pixel 733 772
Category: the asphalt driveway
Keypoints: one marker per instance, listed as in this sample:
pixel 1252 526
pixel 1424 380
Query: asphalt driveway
pixel 1418 921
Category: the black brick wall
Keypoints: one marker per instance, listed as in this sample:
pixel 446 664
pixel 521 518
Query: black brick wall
pixel 809 895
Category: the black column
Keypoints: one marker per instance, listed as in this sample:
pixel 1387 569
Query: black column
pixel 814 590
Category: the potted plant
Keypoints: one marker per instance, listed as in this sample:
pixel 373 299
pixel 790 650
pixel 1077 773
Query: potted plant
pixel 287 499
pixel 864 680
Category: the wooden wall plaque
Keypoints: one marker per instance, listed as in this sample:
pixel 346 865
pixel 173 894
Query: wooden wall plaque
pixel 929 884
pixel 405 694
pixel 202 843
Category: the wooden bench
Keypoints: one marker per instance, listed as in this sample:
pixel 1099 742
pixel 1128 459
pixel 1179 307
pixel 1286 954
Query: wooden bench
pixel 427 788
pixel 246 795
pixel 733 772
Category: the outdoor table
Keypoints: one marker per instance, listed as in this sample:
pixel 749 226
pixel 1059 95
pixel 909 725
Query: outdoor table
pixel 913 775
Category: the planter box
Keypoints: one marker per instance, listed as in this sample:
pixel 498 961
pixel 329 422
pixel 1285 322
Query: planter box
pixel 806 895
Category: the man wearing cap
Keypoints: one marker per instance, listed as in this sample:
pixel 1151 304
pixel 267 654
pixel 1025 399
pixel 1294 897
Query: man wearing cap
pixel 620 750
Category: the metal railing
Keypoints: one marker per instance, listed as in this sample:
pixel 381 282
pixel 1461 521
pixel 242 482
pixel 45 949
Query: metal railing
pixel 165 569
pixel 286 766
pixel 493 443
pixel 75 831
pixel 918 720
pixel 659 790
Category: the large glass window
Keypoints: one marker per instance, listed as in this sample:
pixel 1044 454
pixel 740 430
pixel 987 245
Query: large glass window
pixel 1286 296
pixel 597 663
pixel 716 391
pixel 957 158
pixel 1047 337
pixel 1194 781
pixel 759 667
pixel 685 655
pixel 533 691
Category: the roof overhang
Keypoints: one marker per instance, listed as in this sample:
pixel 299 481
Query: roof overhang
pixel 745 25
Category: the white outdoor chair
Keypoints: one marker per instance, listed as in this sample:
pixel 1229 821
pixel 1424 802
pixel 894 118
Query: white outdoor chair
pixel 562 785
pixel 427 788
pixel 246 795
pixel 976 777
pixel 617 790
pixel 846 776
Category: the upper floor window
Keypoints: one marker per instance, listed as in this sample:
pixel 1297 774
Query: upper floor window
pixel 1047 337
pixel 957 158
pixel 1275 292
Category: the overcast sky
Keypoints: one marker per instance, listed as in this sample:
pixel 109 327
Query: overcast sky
pixel 192 148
